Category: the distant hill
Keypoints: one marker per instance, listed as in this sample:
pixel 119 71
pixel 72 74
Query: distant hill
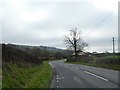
pixel 11 53
pixel 23 52
pixel 53 49
pixel 24 47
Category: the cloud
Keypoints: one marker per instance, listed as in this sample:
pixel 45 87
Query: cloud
pixel 34 16
pixel 38 22
pixel 110 5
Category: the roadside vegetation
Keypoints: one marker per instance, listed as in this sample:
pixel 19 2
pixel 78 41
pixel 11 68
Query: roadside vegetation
pixel 25 68
pixel 104 61
pixel 75 43
pixel 0 78
pixel 22 76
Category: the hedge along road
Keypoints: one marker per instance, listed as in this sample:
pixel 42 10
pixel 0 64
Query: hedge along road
pixel 81 76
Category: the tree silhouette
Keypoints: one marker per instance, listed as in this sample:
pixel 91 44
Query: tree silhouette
pixel 74 41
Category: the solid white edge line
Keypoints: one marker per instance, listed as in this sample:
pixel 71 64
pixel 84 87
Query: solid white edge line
pixel 51 64
pixel 96 76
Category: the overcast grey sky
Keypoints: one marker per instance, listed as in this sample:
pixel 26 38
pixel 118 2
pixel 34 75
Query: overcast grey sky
pixel 45 22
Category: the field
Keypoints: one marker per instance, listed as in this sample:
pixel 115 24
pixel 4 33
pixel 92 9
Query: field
pixel 110 62
pixel 27 76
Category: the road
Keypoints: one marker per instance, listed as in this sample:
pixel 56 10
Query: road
pixel 81 76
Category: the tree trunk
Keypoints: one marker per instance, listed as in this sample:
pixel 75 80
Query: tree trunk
pixel 75 44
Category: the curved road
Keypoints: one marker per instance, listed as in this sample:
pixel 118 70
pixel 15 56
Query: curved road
pixel 80 76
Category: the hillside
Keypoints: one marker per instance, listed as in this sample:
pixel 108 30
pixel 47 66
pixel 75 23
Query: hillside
pixel 23 67
pixel 24 47
pixel 15 55
pixel 41 51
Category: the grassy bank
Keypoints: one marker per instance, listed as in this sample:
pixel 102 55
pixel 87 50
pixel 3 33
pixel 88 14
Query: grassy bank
pixel 26 76
pixel 114 67
pixel 110 62
pixel 0 78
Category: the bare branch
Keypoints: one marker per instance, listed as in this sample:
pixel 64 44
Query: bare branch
pixel 74 41
pixel 68 39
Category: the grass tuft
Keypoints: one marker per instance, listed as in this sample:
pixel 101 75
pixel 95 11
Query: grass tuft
pixel 15 76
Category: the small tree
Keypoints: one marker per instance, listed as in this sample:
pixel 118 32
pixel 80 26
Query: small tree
pixel 74 41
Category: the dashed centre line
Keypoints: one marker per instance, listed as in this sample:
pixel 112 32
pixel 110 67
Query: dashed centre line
pixel 96 76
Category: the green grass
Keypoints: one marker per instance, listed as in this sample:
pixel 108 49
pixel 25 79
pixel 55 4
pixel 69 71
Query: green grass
pixel 0 78
pixel 110 62
pixel 113 60
pixel 114 67
pixel 15 76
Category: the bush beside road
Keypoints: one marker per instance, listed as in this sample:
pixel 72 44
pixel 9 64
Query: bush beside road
pixel 110 62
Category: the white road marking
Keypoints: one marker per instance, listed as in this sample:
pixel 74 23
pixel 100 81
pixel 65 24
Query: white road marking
pixel 51 64
pixel 96 75
pixel 60 78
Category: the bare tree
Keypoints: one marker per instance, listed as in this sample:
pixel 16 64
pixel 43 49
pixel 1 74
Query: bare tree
pixel 74 41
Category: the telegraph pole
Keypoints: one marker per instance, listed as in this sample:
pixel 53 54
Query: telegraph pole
pixel 113 45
